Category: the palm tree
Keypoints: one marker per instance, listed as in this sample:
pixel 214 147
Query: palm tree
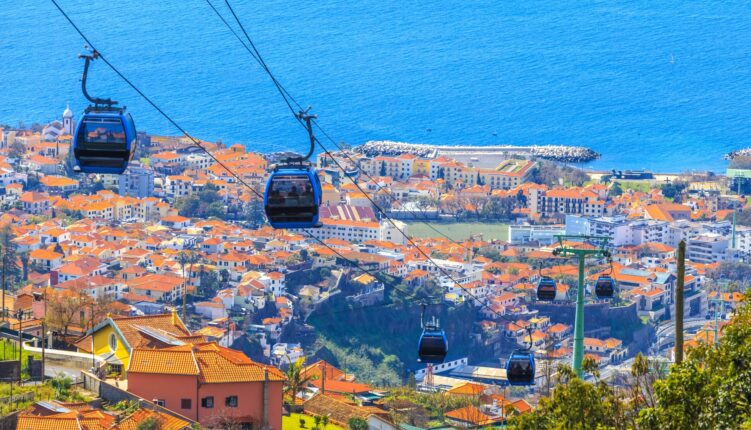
pixel 24 257
pixel 324 421
pixel 317 419
pixel 183 259
pixel 296 381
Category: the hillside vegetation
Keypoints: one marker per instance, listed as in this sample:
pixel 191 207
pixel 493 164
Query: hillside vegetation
pixel 379 343
pixel 710 389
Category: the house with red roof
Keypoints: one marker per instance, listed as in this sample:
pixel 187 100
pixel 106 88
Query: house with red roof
pixel 85 266
pixel 35 203
pixel 46 259
pixel 209 384
pixel 165 287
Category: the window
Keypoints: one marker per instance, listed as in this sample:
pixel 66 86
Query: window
pixel 113 342
pixel 231 402
pixel 207 402
pixel 160 402
pixel 186 404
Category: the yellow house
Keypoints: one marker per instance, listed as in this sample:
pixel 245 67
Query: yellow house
pixel 114 338
pixel 421 167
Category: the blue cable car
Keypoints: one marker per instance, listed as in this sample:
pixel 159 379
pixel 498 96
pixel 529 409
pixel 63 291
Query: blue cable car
pixel 520 368
pixel 105 137
pixel 433 345
pixel 546 289
pixel 604 287
pixel 292 197
pixel 293 192
pixel 104 141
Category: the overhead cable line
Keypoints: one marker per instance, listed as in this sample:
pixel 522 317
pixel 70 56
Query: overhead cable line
pixel 197 143
pixel 289 100
pixel 285 95
pixel 203 148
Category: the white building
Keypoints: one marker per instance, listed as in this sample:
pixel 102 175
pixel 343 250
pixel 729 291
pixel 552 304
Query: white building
pixel 136 182
pixel 525 233
pixel 361 231
pixel 710 248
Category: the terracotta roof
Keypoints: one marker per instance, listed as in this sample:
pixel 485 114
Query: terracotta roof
pixel 209 361
pixel 70 420
pixel 58 181
pixel 467 389
pixel 156 282
pixel 44 254
pixel 166 422
pixel 338 411
pixel 470 414
pixel 138 330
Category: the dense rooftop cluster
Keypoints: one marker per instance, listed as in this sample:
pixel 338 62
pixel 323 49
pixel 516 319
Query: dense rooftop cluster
pixel 166 273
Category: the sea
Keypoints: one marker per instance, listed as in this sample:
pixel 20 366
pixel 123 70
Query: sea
pixel 664 86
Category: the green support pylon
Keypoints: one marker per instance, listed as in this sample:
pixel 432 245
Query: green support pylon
pixel 579 323
pixel 581 254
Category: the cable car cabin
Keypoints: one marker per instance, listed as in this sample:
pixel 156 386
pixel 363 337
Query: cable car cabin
pixel 604 287
pixel 292 198
pixel 546 289
pixel 520 368
pixel 104 141
pixel 433 346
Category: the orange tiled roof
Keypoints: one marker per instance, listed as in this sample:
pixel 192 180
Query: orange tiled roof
pixel 209 361
pixel 470 414
pixel 58 181
pixel 166 421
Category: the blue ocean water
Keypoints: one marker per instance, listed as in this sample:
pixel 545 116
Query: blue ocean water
pixel 659 85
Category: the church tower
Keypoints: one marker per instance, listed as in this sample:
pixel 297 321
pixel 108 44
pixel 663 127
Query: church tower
pixel 68 127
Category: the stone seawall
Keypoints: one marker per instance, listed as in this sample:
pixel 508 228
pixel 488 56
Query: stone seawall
pixel 563 153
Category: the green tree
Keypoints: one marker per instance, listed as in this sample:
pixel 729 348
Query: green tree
pixel 206 203
pixel 61 384
pixel 209 283
pixel 16 150
pixel 24 258
pixel 357 424
pixel 150 423
pixel 11 273
pixel 575 404
pixel 674 189
pixel 732 271
pixel 615 190
pixel 711 388
pixel 296 381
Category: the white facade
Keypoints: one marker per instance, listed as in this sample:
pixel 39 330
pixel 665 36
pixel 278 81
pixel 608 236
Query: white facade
pixel 545 234
pixel 136 182
pixel 710 248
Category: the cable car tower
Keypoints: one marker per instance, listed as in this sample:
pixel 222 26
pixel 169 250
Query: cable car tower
pixel 564 250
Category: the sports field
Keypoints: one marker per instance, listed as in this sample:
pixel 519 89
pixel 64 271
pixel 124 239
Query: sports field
pixel 460 230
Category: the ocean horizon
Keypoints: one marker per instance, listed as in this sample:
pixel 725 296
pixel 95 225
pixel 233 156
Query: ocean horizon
pixel 664 87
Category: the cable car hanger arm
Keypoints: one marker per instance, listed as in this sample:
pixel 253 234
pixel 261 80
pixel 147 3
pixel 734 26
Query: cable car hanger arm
pixel 87 60
pixel 303 115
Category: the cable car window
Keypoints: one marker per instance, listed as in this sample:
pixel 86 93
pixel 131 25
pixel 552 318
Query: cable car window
pixel 433 346
pixel 291 191
pixel 104 132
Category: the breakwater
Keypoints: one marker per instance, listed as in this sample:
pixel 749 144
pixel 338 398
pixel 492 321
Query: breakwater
pixel 569 154
pixel 746 152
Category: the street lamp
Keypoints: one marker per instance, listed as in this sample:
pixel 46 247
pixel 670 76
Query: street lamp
pixel 43 298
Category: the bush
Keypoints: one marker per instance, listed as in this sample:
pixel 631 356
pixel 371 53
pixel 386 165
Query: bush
pixel 357 424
